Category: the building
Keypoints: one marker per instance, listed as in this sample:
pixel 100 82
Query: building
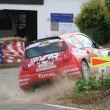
pixel 42 18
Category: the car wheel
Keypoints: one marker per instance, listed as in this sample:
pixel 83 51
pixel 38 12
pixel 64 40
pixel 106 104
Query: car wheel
pixel 30 90
pixel 85 70
pixel 109 54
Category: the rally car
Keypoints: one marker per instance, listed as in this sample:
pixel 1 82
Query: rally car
pixel 52 57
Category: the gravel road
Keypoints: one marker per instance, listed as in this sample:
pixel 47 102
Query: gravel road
pixel 11 93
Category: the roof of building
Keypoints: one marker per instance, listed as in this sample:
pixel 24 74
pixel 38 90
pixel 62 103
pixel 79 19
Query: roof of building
pixel 32 2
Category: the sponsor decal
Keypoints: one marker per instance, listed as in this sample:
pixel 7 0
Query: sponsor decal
pixel 70 70
pixel 74 73
pixel 47 43
pixel 37 60
pixel 45 63
pixel 24 83
pixel 76 51
pixel 100 53
pixel 97 52
pixel 46 75
pixel 46 68
pixel 60 44
pixel 23 80
pixel 78 41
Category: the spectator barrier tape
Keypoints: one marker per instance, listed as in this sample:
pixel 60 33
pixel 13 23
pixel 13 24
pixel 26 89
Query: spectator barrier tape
pixel 1 59
pixel 13 52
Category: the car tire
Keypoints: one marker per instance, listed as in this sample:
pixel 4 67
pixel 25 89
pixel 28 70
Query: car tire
pixel 85 70
pixel 30 90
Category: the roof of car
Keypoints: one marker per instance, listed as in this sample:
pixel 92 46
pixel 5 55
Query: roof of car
pixel 62 36
pixel 40 40
pixel 69 34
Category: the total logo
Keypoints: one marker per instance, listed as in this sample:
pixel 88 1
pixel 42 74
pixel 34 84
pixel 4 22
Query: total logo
pixel 46 75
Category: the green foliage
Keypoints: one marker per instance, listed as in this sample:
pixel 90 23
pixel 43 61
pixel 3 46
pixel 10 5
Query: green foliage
pixel 68 95
pixel 106 82
pixel 88 91
pixel 94 17
pixel 95 34
pixel 107 2
pixel 85 86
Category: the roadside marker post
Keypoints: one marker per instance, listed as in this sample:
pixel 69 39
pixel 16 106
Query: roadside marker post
pixel 100 62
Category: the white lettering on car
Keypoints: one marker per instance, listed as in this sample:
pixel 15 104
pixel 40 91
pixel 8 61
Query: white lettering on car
pixel 70 70
pixel 77 51
pixel 74 73
pixel 46 75
pixel 41 58
pixel 100 53
pixel 45 68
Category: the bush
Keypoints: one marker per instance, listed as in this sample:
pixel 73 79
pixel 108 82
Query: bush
pixel 93 84
pixel 94 20
pixel 95 35
pixel 88 91
pixel 107 2
pixel 85 86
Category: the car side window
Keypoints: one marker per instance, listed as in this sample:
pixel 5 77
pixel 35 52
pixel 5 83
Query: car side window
pixel 86 41
pixel 73 40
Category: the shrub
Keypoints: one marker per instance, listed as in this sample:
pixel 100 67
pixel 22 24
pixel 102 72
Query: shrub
pixel 85 86
pixel 93 84
pixel 94 20
pixel 95 35
pixel 107 2
pixel 88 91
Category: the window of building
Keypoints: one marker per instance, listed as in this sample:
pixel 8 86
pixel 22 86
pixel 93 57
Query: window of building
pixel 5 24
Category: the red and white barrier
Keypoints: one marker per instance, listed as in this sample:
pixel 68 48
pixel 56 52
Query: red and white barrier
pixel 13 52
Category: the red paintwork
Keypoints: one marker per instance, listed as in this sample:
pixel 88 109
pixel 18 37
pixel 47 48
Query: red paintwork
pixel 72 68
pixel 90 53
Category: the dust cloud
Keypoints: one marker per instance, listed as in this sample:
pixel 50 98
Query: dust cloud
pixel 45 93
pixel 48 92
pixel 4 93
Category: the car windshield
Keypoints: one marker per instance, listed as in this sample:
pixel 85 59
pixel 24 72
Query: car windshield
pixel 43 49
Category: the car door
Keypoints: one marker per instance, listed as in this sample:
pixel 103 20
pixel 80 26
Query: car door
pixel 77 47
pixel 89 46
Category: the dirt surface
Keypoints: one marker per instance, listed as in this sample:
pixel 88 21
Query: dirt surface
pixel 51 93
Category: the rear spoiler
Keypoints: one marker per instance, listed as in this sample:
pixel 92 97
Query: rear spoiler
pixel 27 43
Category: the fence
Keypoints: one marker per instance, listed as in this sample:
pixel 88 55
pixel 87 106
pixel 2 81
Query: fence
pixel 12 52
pixel 1 59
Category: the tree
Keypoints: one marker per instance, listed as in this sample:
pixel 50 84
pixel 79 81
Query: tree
pixel 94 20
pixel 107 2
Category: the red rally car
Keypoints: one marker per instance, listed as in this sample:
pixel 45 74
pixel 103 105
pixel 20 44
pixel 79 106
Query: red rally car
pixel 53 57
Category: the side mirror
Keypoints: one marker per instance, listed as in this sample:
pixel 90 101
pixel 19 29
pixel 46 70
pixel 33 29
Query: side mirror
pixel 97 45
pixel 88 52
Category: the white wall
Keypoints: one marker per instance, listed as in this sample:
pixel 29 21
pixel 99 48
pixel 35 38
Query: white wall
pixel 50 6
